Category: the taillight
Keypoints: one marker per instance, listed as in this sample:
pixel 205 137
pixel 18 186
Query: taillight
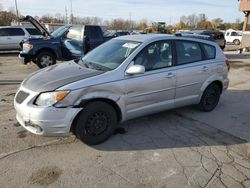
pixel 228 65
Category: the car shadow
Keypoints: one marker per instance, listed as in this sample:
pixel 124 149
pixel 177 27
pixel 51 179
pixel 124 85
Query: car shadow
pixel 9 53
pixel 176 129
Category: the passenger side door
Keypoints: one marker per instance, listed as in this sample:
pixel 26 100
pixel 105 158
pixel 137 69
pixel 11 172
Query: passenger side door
pixel 4 35
pixel 154 90
pixel 16 36
pixel 193 69
pixel 10 38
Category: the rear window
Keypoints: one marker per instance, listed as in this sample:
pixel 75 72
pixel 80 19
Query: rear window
pixel 33 31
pixel 210 51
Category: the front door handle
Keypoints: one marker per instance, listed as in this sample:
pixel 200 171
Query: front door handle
pixel 170 75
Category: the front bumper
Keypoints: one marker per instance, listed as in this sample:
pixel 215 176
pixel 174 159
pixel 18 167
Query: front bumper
pixel 25 58
pixel 49 121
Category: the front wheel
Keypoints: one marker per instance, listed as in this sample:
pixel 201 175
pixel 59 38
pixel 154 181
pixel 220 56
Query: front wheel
pixel 210 98
pixel 95 123
pixel 45 59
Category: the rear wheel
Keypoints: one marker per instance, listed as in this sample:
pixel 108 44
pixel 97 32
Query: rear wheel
pixel 210 98
pixel 45 59
pixel 236 42
pixel 95 123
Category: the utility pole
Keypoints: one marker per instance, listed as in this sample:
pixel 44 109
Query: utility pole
pixel 71 15
pixel 130 22
pixel 17 12
pixel 66 18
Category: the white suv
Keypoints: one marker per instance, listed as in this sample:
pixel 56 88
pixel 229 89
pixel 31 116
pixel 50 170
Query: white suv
pixel 11 36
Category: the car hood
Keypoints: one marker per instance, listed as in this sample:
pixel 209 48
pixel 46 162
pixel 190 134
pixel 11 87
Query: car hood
pixel 53 77
pixel 37 25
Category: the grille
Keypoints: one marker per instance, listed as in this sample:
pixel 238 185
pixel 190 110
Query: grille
pixel 21 96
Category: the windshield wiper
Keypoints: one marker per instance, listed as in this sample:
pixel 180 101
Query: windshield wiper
pixel 98 66
pixel 95 66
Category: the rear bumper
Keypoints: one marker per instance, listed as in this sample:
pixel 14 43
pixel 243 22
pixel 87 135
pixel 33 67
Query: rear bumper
pixel 225 84
pixel 45 121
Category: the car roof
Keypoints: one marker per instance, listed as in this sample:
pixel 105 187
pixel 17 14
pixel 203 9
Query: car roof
pixel 154 37
pixel 18 26
pixel 144 38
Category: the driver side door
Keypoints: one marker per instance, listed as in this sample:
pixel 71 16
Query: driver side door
pixel 72 47
pixel 154 90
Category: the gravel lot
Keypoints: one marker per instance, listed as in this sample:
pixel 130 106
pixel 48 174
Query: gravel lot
pixel 178 148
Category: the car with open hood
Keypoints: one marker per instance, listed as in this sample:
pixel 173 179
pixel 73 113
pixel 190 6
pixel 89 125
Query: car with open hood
pixel 124 78
pixel 66 43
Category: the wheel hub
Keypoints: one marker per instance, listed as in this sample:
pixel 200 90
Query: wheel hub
pixel 97 123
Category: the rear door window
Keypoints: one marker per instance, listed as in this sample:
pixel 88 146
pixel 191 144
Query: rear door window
pixel 17 32
pixel 188 52
pixel 210 51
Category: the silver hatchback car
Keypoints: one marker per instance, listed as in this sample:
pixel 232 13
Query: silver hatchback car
pixel 122 79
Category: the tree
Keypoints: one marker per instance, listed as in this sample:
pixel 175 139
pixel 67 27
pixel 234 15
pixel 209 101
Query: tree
pixel 7 17
pixel 143 24
pixel 205 25
pixel 217 23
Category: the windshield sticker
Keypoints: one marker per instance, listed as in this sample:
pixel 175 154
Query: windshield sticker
pixel 130 45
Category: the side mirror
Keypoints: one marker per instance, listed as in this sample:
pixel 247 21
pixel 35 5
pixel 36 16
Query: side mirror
pixel 135 69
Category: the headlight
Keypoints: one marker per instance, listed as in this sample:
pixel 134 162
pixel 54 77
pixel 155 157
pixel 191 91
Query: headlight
pixel 27 47
pixel 50 98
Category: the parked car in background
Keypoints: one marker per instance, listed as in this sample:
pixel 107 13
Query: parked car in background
pixel 66 43
pixel 217 35
pixel 233 36
pixel 122 79
pixel 113 34
pixel 11 36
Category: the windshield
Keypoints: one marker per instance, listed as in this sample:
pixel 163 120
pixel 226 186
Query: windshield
pixel 109 55
pixel 60 31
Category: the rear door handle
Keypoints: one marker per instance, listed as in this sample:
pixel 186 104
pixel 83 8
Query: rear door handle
pixel 204 69
pixel 170 75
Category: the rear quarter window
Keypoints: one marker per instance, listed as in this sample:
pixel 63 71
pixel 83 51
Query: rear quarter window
pixel 33 31
pixel 210 51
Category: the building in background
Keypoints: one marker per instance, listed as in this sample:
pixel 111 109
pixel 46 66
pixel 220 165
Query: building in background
pixel 245 8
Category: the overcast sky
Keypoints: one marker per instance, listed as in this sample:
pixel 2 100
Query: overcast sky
pixel 152 10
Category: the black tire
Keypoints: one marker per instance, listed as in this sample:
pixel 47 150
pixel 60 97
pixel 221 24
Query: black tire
pixel 236 42
pixel 95 123
pixel 210 98
pixel 43 56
